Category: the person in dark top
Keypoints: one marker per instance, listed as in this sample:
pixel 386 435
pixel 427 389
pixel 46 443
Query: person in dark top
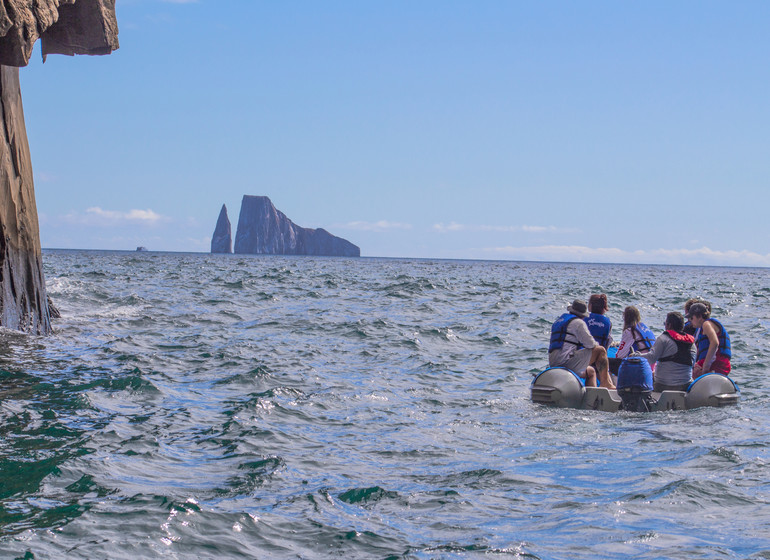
pixel 598 323
pixel 688 328
pixel 674 353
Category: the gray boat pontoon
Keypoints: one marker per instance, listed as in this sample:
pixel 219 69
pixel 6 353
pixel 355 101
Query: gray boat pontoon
pixel 562 388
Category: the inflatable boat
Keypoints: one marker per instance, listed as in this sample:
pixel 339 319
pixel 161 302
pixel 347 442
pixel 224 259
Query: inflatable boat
pixel 563 388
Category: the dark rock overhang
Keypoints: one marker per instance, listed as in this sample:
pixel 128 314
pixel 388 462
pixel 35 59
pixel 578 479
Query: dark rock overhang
pixel 64 26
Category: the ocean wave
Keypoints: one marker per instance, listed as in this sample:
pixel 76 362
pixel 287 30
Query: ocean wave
pixel 299 407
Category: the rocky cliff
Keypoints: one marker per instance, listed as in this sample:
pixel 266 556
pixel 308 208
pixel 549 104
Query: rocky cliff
pixel 222 240
pixel 64 27
pixel 263 230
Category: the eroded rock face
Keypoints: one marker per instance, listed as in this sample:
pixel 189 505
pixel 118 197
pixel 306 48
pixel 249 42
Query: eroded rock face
pixel 222 240
pixel 66 27
pixel 22 286
pixel 264 230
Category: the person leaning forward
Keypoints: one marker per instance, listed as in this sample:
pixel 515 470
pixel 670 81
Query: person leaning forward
pixel 712 342
pixel 573 347
pixel 674 353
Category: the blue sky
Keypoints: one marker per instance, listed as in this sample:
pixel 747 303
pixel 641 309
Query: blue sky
pixel 568 131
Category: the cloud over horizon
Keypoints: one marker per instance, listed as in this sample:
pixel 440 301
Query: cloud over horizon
pixel 702 256
pixel 382 225
pixel 99 217
pixel 452 227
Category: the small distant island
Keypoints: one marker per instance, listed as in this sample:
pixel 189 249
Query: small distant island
pixel 264 230
pixel 141 248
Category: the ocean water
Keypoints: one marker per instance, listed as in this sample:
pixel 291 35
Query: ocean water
pixel 226 406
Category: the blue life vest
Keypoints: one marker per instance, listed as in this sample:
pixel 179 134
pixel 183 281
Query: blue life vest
pixel 635 373
pixel 600 327
pixel 644 338
pixel 559 332
pixel 725 348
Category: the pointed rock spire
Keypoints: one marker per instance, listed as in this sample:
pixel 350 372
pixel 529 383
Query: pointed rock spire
pixel 222 240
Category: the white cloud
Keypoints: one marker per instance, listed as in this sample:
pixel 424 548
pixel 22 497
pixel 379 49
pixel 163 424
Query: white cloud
pixel 454 227
pixel 577 253
pixel 135 216
pixel 382 225
pixel 451 226
pixel 96 216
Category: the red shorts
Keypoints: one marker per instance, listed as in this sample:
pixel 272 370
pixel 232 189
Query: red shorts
pixel 720 365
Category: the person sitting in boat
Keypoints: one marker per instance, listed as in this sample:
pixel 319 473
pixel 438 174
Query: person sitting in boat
pixel 712 342
pixel 598 323
pixel 637 337
pixel 688 327
pixel 573 347
pixel 674 353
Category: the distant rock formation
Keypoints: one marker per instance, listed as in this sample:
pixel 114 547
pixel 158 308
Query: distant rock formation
pixel 222 240
pixel 65 27
pixel 263 230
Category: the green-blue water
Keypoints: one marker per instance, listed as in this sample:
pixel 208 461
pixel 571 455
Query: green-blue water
pixel 201 406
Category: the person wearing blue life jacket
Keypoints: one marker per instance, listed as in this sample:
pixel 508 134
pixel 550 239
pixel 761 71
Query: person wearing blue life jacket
pixel 572 347
pixel 637 337
pixel 712 342
pixel 673 355
pixel 688 326
pixel 598 323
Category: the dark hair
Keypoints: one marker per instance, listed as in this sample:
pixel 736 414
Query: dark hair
pixel 631 317
pixel 675 321
pixel 692 300
pixel 597 303
pixel 699 309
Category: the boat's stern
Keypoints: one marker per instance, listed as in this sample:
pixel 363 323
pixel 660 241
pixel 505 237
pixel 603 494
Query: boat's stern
pixel 559 387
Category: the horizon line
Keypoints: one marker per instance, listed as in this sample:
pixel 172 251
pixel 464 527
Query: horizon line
pixel 469 259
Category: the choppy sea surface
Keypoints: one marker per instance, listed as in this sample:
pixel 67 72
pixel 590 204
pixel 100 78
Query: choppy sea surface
pixel 226 406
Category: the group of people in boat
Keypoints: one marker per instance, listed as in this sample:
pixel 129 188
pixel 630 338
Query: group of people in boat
pixel 691 344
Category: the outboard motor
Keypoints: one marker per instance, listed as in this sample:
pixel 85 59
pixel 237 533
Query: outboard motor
pixel 635 385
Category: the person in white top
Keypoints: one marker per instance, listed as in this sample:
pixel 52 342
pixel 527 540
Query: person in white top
pixel 573 347
pixel 637 337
